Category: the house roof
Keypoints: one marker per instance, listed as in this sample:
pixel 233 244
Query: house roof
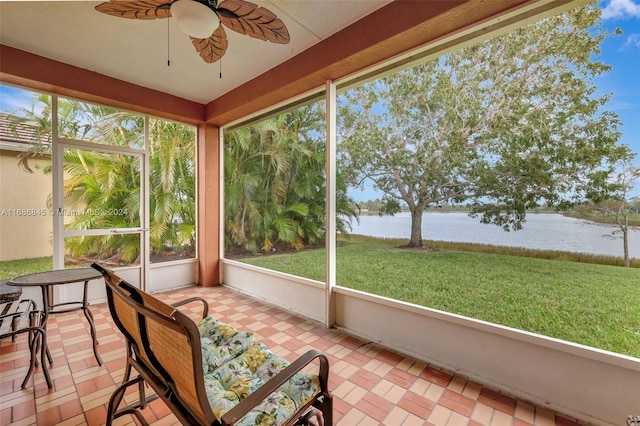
pixel 16 135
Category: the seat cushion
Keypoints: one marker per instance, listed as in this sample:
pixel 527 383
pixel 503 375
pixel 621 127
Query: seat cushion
pixel 221 343
pixel 233 380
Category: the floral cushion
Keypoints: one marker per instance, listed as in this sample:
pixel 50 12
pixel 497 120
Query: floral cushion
pixel 229 379
pixel 221 343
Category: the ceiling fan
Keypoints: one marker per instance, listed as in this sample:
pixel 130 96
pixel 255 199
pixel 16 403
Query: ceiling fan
pixel 203 20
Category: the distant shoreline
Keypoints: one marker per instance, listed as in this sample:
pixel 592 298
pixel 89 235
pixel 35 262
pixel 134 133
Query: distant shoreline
pixel 606 220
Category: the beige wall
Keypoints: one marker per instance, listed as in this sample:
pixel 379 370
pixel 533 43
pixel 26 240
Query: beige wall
pixel 25 219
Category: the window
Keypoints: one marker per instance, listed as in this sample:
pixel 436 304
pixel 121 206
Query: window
pixel 275 190
pixel 104 155
pixel 464 165
pixel 172 190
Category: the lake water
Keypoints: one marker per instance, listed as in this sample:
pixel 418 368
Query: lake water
pixel 541 231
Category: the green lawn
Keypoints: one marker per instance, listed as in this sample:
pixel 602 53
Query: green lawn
pixel 595 305
pixel 14 268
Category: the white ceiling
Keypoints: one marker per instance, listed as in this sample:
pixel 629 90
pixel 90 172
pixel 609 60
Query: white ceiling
pixel 136 51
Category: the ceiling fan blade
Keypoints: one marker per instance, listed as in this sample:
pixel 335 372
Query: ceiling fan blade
pixel 136 9
pixel 252 20
pixel 213 48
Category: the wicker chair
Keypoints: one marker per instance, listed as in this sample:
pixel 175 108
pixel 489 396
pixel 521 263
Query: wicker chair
pixel 239 382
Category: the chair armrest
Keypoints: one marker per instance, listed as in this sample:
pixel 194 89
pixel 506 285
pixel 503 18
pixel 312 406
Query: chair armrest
pixel 205 305
pixel 272 385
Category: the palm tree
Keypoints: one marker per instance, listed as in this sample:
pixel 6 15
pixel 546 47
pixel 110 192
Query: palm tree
pixel 275 183
pixel 37 119
pixel 106 187
pixel 172 187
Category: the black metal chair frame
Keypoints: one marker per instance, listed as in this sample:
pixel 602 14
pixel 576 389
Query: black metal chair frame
pixel 21 316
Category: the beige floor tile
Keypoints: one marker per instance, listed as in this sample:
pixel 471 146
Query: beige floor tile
pixel 544 417
pixel 382 388
pixel 368 421
pixel 457 385
pixel 525 412
pixel 355 395
pixel 500 419
pixel 440 416
pixel 396 416
pixel 353 417
pixel 482 414
pixel 434 392
pixel 420 386
pixel 417 368
pixel 457 419
pixel 343 389
pixel 413 420
pixel 395 394
pixel 472 390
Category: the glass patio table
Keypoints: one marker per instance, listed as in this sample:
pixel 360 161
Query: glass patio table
pixel 46 281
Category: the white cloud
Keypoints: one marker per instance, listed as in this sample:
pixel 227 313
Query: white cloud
pixel 621 9
pixel 633 40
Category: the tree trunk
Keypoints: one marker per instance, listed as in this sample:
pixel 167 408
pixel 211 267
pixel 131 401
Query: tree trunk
pixel 416 228
pixel 625 242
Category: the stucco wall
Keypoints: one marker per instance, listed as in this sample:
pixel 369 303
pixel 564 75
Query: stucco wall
pixel 25 219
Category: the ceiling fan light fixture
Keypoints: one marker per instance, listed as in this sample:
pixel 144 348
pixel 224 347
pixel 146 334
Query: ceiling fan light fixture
pixel 194 18
pixel 204 21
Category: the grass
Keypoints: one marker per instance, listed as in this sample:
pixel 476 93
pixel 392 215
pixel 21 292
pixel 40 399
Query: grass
pixel 14 268
pixel 595 305
pixel 525 252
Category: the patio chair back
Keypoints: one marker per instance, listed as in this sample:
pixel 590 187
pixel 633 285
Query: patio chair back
pixel 166 348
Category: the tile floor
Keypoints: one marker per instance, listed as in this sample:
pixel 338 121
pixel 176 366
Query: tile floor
pixel 371 385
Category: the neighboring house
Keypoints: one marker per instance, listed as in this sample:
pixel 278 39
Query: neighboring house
pixel 15 135
pixel 25 217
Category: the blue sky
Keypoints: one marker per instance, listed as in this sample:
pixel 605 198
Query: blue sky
pixel 623 53
pixel 11 98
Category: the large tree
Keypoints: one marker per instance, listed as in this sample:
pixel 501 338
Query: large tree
pixel 500 126
pixel 622 202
